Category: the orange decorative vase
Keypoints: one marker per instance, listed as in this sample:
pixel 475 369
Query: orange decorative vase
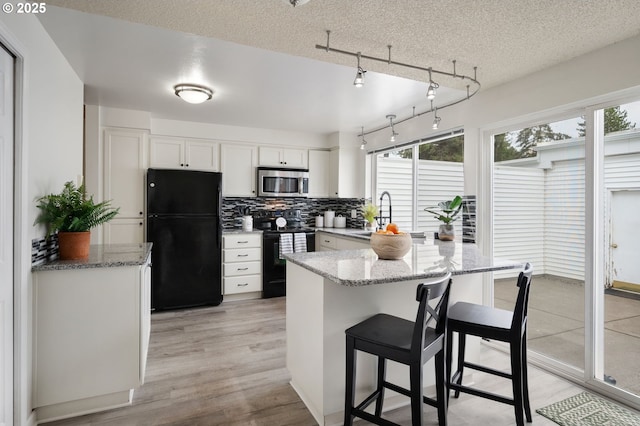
pixel 74 245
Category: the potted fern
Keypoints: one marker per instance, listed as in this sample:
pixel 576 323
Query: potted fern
pixel 72 215
pixel 448 213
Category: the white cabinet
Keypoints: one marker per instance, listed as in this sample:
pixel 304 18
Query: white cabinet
pixel 286 157
pixel 326 241
pixel 125 162
pixel 238 166
pixel 346 173
pixel 91 333
pixel 179 153
pixel 319 173
pixel 242 263
pixel 124 231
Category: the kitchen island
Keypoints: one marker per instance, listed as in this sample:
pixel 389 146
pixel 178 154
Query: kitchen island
pixel 329 291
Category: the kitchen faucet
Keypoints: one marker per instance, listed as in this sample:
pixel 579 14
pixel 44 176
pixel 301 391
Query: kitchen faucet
pixel 382 217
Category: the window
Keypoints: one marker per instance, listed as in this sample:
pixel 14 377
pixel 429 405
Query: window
pixel 420 175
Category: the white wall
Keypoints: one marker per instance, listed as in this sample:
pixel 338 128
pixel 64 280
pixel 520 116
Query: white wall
pixel 49 153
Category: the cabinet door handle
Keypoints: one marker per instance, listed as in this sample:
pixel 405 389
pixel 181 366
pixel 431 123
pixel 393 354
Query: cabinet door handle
pixel 140 223
pixel 327 241
pixel 241 269
pixel 181 164
pixel 242 255
pixel 141 213
pixel 243 242
pixel 187 165
pixel 243 285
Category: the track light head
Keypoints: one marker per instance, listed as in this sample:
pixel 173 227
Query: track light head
pixel 431 90
pixel 436 122
pixel 359 80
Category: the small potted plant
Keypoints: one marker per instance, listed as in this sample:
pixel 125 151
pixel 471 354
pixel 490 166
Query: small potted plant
pixel 448 213
pixel 370 212
pixel 72 215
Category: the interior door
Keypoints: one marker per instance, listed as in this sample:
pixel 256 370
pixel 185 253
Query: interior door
pixel 624 270
pixel 6 236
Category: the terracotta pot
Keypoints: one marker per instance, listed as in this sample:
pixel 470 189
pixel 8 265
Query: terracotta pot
pixel 74 245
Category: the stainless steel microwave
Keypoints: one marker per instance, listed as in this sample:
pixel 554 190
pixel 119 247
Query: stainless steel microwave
pixel 276 182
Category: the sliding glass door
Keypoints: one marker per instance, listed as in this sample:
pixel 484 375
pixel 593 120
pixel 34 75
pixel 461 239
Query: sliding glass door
pixel 566 195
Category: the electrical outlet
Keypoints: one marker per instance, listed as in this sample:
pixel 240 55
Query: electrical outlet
pixel 354 214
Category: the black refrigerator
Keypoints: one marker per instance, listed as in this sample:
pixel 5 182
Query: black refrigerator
pixel 183 223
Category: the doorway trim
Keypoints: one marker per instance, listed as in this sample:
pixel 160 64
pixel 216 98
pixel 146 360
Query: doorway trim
pixel 22 306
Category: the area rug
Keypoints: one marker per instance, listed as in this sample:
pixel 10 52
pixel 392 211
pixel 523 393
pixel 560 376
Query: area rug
pixel 586 409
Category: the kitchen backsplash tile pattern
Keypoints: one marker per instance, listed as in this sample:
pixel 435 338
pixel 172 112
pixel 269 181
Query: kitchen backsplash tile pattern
pixel 309 208
pixel 43 249
pixel 469 219
pixel 312 207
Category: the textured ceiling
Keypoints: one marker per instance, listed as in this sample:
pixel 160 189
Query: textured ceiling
pixel 505 39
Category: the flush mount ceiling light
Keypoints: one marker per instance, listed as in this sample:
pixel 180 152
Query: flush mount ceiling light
pixel 362 145
pixel 193 93
pixel 295 3
pixel 431 88
pixel 359 80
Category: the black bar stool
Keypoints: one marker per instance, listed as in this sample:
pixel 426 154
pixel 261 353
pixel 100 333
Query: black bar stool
pixel 406 342
pixel 494 324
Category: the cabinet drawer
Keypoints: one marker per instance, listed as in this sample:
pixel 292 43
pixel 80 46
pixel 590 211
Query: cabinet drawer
pixel 328 241
pixel 242 240
pixel 241 268
pixel 241 254
pixel 242 284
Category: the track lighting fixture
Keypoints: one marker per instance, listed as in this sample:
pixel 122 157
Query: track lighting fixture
pixel 431 89
pixel 362 145
pixel 193 93
pixel 391 117
pixel 359 80
pixel 436 120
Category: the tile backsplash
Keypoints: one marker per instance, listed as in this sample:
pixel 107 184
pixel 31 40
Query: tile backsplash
pixel 43 249
pixel 309 208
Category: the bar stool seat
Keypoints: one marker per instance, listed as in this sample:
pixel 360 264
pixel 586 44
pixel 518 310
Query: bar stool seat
pixel 407 342
pixel 494 324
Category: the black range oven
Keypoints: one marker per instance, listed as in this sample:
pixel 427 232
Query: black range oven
pixel 274 270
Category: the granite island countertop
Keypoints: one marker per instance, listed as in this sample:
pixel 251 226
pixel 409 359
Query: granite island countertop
pixel 103 256
pixel 427 259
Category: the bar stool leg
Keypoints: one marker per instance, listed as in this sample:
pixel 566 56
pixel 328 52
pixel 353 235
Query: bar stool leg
pixel 449 349
pixel 382 370
pixel 441 389
pixel 525 380
pixel 350 384
pixel 516 381
pixel 415 380
pixel 462 342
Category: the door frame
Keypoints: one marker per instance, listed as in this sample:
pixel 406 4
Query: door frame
pixel 608 234
pixel 22 306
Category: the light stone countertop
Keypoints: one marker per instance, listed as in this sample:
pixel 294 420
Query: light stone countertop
pixel 427 259
pixel 103 256
pixel 240 231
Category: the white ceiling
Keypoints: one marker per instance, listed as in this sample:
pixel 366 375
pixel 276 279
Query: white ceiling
pixel 260 57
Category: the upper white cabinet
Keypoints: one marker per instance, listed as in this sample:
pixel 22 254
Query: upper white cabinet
pixel 125 162
pixel 344 173
pixel 238 166
pixel 283 157
pixel 177 153
pixel 319 173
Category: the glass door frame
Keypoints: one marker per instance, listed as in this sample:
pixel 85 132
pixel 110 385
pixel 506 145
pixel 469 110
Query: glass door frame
pixel 595 205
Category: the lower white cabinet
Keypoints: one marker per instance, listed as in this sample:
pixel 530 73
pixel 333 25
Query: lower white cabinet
pixel 91 330
pixel 124 231
pixel 241 263
pixel 326 241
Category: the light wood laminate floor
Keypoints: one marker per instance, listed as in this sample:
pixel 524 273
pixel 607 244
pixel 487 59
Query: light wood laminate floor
pixel 225 365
